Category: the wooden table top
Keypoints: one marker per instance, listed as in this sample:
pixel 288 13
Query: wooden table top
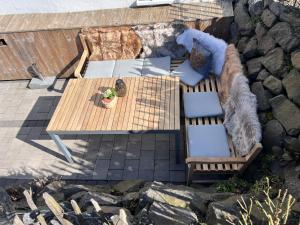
pixel 151 104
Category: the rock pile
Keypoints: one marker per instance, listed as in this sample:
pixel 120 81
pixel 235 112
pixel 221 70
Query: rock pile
pixel 127 202
pixel 269 43
pixel 131 202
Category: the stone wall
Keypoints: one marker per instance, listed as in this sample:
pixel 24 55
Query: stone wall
pixel 267 35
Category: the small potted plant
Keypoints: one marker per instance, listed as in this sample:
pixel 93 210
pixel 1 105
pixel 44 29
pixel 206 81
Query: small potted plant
pixel 109 98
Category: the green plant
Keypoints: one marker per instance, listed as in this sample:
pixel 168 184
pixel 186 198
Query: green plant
pixel 275 211
pixel 110 93
pixel 233 184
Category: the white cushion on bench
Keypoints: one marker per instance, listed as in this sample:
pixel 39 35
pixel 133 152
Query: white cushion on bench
pixel 207 141
pixel 98 69
pixel 201 104
pixel 128 68
pixel 157 66
pixel 187 74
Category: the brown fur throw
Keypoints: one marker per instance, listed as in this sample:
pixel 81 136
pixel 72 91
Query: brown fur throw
pixel 232 68
pixel 112 43
pixel 241 119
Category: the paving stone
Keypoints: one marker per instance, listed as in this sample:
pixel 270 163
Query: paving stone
pixel 117 160
pixel 147 163
pixel 162 175
pixel 134 144
pixel 162 154
pixel 115 175
pixel 146 175
pixel 177 176
pixel 162 165
pixel 130 175
pixel 108 137
pixel 148 142
pixel 133 153
pixel 131 165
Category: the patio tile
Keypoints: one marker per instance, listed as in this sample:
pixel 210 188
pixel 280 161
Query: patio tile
pixel 108 137
pixel 134 145
pixel 162 165
pixel 162 145
pixel 104 154
pixel 177 176
pixel 102 164
pixel 100 175
pixel 146 175
pixel 162 154
pixel 130 175
pixel 133 154
pixel 162 175
pixel 146 164
pixel 115 175
pixel 131 165
pixel 148 141
pixel 117 160
pixel 176 166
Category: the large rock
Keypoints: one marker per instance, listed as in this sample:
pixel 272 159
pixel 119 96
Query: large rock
pixel 262 75
pixel 255 7
pixel 242 18
pixel 292 181
pixel 265 44
pixel 179 196
pixel 112 43
pixel 250 50
pixel 291 83
pixel 295 58
pixel 103 199
pixel 7 210
pixel 273 85
pixel 292 145
pixel 284 35
pixel 161 213
pixel 219 212
pixel 286 14
pixel 274 61
pixel 286 113
pixel 254 66
pixel 273 134
pixel 242 44
pixel 262 100
pixel 260 30
pixel 268 18
pixel 128 186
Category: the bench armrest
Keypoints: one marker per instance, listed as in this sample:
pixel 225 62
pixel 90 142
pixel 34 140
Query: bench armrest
pixel 83 57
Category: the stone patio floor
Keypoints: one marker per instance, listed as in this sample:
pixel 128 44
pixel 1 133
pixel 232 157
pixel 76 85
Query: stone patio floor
pixel 26 151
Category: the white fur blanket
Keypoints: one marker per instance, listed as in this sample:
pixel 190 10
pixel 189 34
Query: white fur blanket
pixel 241 119
pixel 215 45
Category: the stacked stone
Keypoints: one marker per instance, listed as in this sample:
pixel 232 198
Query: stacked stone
pixel 268 39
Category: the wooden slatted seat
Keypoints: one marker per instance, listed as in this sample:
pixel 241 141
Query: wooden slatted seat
pixel 213 165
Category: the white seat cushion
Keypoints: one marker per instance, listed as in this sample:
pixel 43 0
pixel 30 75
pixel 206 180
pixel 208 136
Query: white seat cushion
pixel 98 69
pixel 201 104
pixel 128 68
pixel 156 66
pixel 187 74
pixel 207 141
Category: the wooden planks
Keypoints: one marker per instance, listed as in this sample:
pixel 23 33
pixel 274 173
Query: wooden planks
pixel 204 10
pixel 151 103
pixel 56 53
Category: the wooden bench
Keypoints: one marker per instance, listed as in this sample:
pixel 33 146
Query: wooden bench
pixel 213 165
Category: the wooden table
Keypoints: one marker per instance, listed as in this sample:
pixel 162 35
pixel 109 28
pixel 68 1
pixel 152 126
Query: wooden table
pixel 151 105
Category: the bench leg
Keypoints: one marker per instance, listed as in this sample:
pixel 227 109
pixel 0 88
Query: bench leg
pixel 61 147
pixel 189 174
pixel 177 146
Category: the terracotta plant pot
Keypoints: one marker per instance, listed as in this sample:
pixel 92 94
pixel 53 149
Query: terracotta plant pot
pixel 109 103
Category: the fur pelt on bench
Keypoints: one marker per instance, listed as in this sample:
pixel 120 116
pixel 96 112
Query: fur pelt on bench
pixel 241 119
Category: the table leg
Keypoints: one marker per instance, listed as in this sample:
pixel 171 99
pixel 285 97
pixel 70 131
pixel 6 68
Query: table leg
pixel 61 147
pixel 177 146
